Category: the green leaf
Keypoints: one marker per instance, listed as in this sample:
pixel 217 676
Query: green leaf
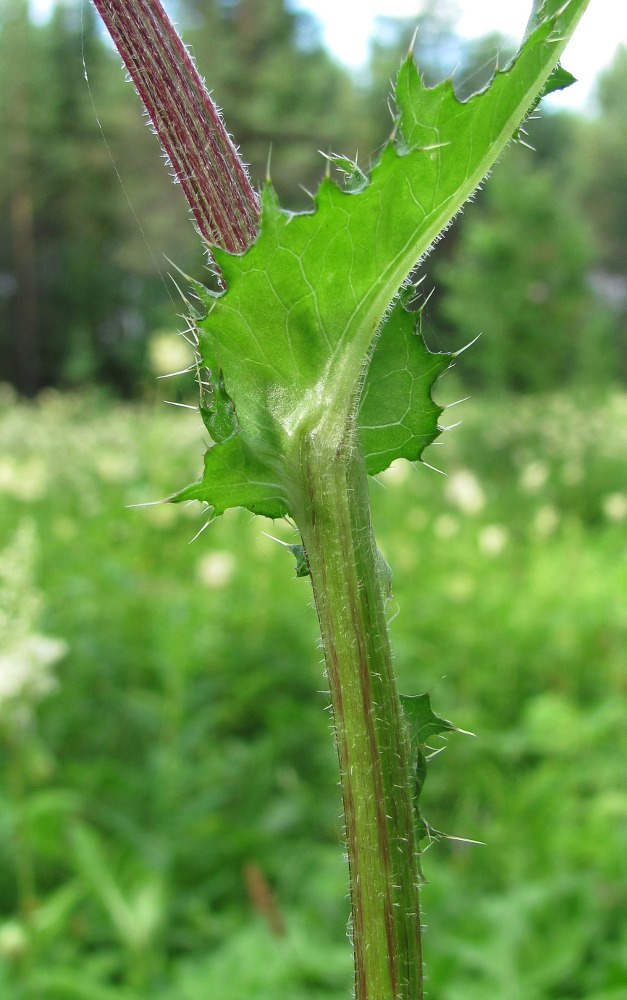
pixel 354 178
pixel 422 724
pixel 237 476
pixel 397 417
pixel 302 566
pixel 298 346
pixel 559 79
pixel 216 407
pixel 422 721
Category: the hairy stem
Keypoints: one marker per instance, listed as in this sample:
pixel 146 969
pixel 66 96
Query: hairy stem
pixel 188 123
pixel 333 516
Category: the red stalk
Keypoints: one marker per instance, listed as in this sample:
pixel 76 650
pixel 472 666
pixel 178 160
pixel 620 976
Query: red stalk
pixel 187 121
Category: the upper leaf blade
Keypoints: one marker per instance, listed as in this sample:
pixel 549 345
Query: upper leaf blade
pixel 292 337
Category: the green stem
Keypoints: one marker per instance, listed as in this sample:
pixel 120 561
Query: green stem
pixel 333 515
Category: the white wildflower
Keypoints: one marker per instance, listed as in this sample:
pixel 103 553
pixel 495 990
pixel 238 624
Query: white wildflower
pixel 25 668
pixel 116 466
pixel 397 472
pixel 215 569
pixel 546 521
pixel 25 480
pixel 162 515
pixel 445 526
pixel 464 492
pixel 534 476
pixel 461 587
pixel 169 352
pixel 26 656
pixel 615 506
pixel 493 539
pixel 13 940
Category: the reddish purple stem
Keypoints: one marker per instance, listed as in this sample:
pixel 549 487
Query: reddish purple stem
pixel 188 123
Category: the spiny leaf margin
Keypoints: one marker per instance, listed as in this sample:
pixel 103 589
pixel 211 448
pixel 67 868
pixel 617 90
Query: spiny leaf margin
pixel 422 723
pixel 304 311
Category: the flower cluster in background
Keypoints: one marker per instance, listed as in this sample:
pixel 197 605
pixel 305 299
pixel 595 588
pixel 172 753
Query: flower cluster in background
pixel 26 656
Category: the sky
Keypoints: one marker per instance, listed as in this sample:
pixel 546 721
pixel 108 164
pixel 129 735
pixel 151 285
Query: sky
pixel 347 27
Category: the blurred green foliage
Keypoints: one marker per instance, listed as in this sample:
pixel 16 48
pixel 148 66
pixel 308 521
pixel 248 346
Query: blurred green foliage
pixel 519 269
pixel 186 742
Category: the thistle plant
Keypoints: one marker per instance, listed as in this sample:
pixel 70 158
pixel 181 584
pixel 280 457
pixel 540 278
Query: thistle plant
pixel 314 375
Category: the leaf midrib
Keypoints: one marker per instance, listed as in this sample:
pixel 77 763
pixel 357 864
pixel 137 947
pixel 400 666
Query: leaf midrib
pixel 360 332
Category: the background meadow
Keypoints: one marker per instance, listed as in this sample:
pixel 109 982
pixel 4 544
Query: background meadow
pixel 170 822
